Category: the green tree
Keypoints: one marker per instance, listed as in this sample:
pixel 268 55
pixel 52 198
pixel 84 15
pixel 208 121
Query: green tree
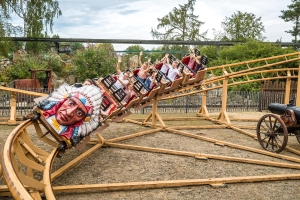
pixel 6 30
pixel 180 24
pixel 37 15
pixel 243 26
pixel 20 67
pixel 94 61
pixel 292 15
pixel 134 49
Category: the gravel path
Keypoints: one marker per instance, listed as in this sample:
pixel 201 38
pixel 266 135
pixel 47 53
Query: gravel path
pixel 115 165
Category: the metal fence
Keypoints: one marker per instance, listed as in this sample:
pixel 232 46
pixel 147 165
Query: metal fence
pixel 25 102
pixel 237 101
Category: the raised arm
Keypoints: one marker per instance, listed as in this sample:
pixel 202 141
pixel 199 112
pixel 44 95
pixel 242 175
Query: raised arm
pixel 118 65
pixel 140 58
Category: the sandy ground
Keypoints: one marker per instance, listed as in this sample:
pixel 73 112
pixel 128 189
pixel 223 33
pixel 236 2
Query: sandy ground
pixel 116 165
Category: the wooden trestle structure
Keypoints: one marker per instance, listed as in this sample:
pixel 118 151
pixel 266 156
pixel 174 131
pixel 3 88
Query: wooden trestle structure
pixel 21 158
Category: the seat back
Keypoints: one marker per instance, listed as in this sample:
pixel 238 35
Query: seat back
pixel 119 94
pixel 105 103
pixel 159 76
pixel 197 52
pixel 159 65
pixel 138 86
pixel 108 81
pixel 135 72
pixel 172 58
pixel 186 60
pixel 204 59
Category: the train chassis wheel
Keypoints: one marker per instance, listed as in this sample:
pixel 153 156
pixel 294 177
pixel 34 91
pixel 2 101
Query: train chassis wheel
pixel 272 133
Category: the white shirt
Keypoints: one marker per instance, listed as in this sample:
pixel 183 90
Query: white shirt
pixel 164 68
pixel 172 73
pixel 118 84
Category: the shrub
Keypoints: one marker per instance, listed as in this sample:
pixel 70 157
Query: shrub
pixel 94 61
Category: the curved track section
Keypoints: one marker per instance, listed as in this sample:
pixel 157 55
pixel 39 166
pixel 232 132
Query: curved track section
pixel 21 159
pixel 29 151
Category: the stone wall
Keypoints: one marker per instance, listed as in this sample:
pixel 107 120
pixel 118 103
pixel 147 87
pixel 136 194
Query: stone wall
pixel 4 63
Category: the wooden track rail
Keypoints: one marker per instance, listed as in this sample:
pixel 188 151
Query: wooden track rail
pixel 22 158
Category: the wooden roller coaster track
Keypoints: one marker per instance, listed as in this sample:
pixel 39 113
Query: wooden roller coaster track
pixel 26 160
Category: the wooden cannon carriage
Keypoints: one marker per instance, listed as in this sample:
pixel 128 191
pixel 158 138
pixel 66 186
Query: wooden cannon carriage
pixel 274 129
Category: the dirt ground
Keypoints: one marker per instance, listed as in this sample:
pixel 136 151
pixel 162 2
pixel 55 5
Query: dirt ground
pixel 116 165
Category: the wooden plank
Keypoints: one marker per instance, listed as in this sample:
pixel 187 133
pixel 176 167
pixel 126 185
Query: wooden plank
pixel 134 135
pixel 172 183
pixel 199 127
pixel 229 144
pixel 42 137
pixel 212 156
pixel 22 91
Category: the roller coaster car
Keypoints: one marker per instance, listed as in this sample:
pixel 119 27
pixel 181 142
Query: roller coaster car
pixel 71 114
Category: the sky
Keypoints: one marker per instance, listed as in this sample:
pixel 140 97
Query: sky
pixel 133 19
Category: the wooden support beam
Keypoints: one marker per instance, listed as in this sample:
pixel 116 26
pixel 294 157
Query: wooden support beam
pixel 133 121
pixel 172 183
pixel 223 117
pixel 13 110
pixel 199 127
pixel 287 88
pixel 203 109
pixel 172 119
pixel 212 156
pixel 298 86
pixel 74 162
pixel 154 111
pixel 237 146
pixel 134 135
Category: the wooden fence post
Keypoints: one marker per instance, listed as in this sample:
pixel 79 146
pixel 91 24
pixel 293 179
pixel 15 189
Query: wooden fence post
pixel 223 117
pixel 287 88
pixel 13 110
pixel 203 109
pixel 298 91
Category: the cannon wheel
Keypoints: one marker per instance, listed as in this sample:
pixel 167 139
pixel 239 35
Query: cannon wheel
pixel 272 133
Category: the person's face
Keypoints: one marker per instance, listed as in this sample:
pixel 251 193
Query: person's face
pixel 174 65
pixel 125 76
pixel 71 112
pixel 145 66
pixel 130 87
pixel 86 83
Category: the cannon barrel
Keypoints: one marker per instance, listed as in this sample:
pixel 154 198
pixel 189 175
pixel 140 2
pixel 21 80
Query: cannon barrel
pixel 278 108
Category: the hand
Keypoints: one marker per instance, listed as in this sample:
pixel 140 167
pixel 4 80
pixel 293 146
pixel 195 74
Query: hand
pixel 167 55
pixel 149 59
pixel 120 59
pixel 141 53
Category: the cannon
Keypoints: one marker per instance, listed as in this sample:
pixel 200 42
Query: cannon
pixel 274 129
